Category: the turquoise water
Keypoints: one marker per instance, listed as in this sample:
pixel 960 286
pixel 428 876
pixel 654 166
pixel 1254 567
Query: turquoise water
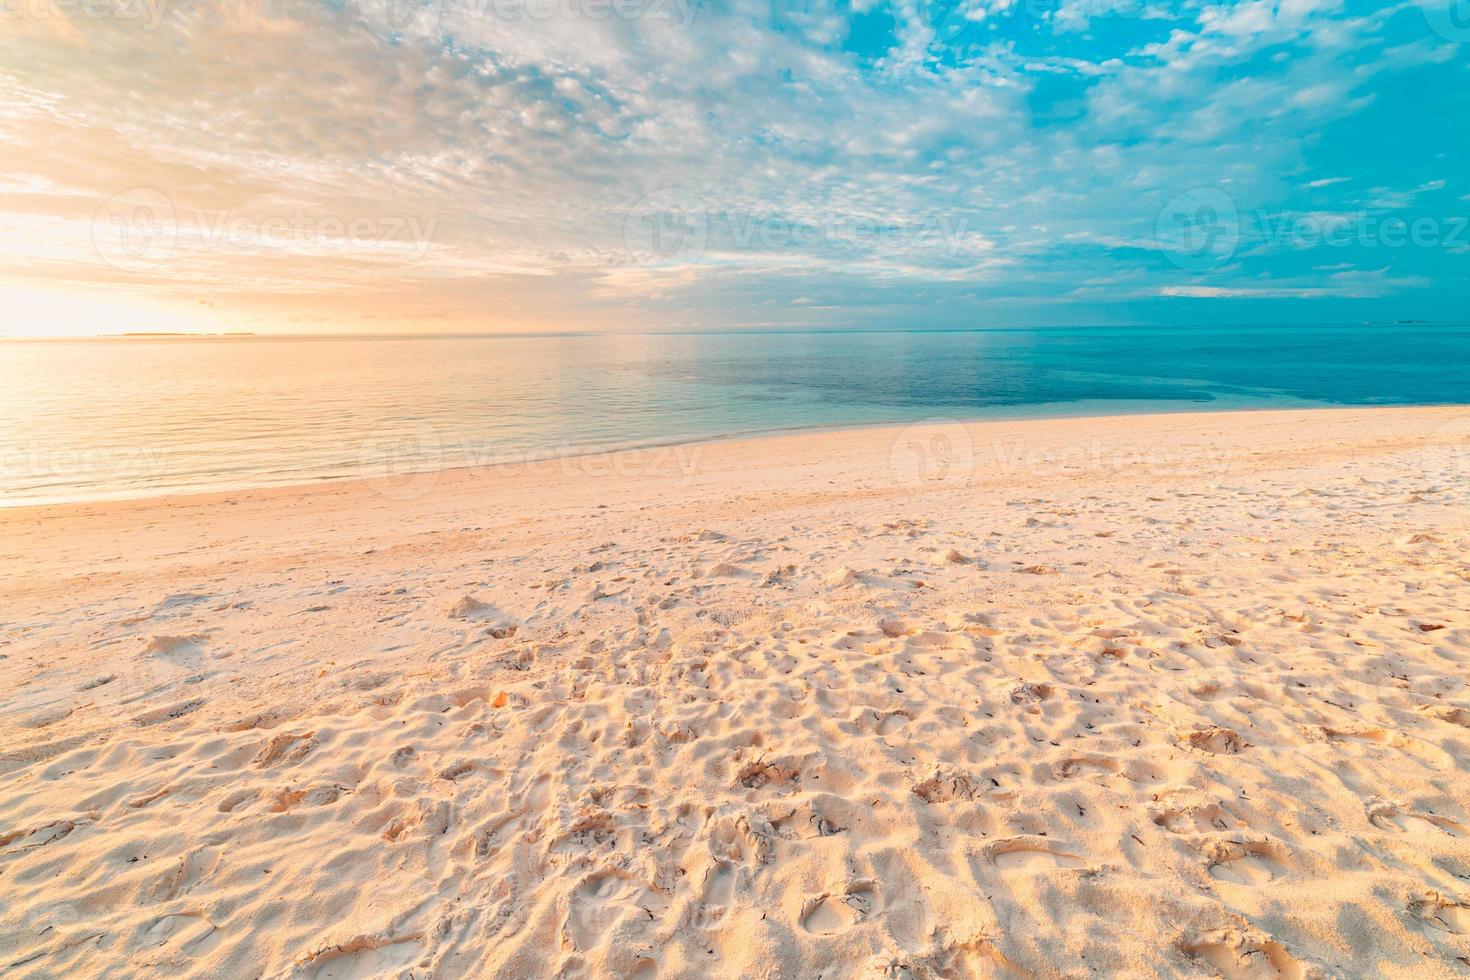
pixel 86 420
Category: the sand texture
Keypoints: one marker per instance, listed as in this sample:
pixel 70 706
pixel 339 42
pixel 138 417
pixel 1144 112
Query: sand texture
pixel 1149 696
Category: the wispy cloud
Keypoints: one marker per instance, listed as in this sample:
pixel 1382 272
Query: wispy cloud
pixel 525 164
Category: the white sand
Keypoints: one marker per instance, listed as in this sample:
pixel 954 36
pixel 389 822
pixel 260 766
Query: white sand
pixel 1150 696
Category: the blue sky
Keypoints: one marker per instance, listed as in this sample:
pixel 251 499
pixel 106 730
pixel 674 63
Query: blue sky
pixel 667 164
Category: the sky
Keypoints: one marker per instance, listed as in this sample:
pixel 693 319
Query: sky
pixel 535 165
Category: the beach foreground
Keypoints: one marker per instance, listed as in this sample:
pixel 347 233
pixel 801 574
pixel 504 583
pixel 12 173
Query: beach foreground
pixel 1148 695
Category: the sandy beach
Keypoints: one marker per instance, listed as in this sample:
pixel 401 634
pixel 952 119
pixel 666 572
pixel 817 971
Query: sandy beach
pixel 1144 696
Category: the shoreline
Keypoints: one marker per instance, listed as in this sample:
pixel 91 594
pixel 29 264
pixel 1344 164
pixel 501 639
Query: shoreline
pixel 533 461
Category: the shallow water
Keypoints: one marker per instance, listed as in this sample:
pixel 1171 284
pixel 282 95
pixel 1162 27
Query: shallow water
pixel 86 420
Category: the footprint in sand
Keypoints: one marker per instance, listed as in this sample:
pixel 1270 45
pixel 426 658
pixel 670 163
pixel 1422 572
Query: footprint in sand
pixel 1245 862
pixel 818 816
pixel 1248 869
pixel 1392 817
pixel 499 623
pixel 1372 738
pixel 1215 740
pixel 601 900
pixel 1442 914
pixel 892 722
pixel 1237 956
pixel 977 956
pixel 644 969
pixel 827 914
pixel 359 958
pixel 719 892
pixel 1026 859
pixel 1031 694
pixel 1084 765
pixel 864 897
pixel 193 868
pixel 944 785
pixel 1197 819
pixel 895 628
pixel 190 931
pixel 754 775
pixel 24 840
pixel 233 801
pixel 169 713
pixel 1452 713
pixel 176 649
pixel 284 748
pixel 1031 857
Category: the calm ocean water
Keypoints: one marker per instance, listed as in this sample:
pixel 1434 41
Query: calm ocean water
pixel 85 420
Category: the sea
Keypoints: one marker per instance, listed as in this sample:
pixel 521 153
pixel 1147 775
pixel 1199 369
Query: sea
pixel 114 418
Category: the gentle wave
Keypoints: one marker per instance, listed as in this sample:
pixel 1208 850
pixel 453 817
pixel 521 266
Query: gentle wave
pixel 109 419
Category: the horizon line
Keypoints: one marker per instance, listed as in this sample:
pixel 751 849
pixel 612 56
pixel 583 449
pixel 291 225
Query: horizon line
pixel 244 335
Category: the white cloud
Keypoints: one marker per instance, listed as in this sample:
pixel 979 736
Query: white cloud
pixel 524 142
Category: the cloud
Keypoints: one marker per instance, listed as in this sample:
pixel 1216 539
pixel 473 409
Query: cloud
pixel 1341 284
pixel 501 163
